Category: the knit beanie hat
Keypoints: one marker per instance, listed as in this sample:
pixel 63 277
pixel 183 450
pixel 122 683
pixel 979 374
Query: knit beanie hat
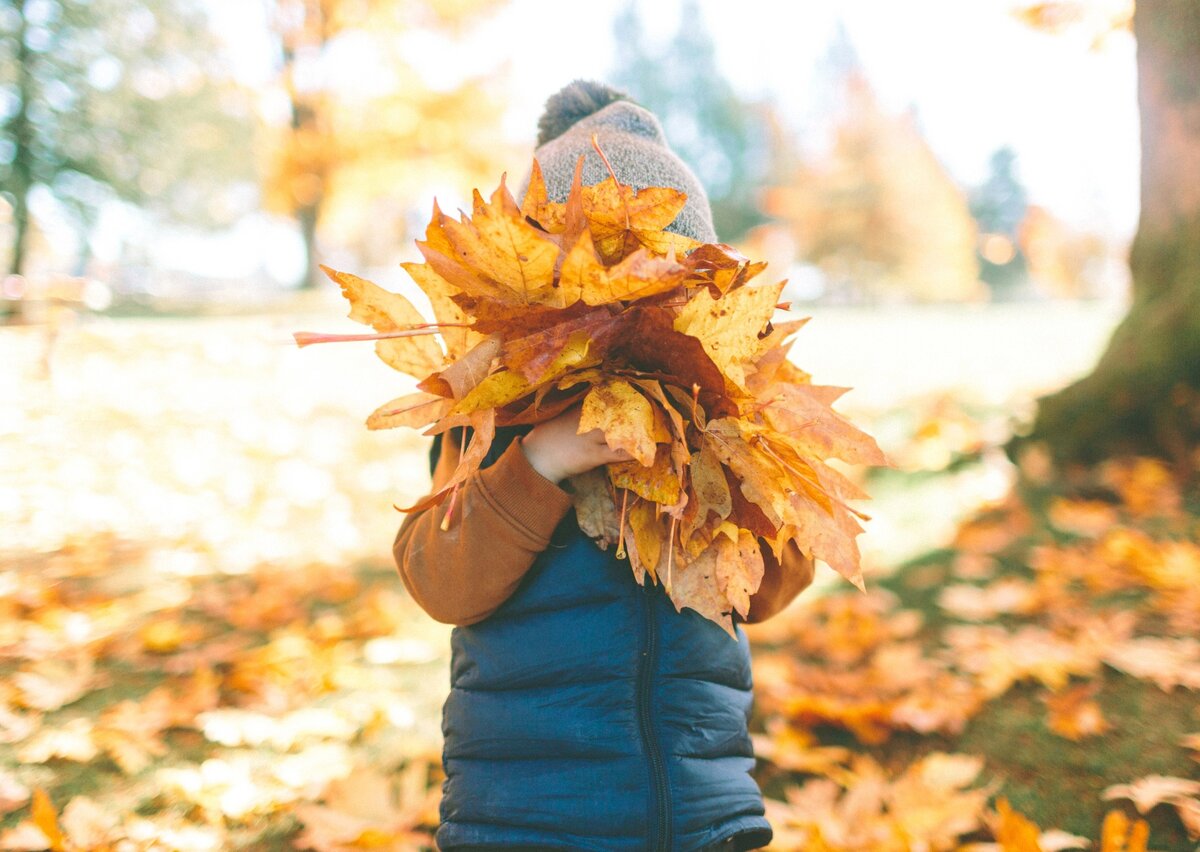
pixel 630 137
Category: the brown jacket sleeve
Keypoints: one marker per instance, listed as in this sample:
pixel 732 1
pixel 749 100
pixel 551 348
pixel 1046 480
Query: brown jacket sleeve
pixel 504 518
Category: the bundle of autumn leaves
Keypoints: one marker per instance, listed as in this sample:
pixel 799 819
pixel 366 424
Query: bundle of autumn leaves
pixel 669 349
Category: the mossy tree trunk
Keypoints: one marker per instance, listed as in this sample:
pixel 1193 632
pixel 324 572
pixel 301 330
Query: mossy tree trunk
pixel 1144 394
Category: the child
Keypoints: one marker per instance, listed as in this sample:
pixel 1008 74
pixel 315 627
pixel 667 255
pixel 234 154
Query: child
pixel 584 711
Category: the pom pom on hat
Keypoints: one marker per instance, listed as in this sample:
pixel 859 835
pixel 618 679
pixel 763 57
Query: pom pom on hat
pixel 572 103
pixel 632 139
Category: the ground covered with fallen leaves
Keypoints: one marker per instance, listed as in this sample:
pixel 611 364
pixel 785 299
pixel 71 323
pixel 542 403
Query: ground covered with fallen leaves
pixel 204 644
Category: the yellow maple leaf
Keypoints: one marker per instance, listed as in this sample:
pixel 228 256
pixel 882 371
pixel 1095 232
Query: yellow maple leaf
pixel 624 415
pixel 729 327
pixel 386 311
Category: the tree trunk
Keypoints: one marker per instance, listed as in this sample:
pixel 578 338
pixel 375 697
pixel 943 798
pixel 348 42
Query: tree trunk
pixel 307 217
pixel 306 29
pixel 1144 394
pixel 21 130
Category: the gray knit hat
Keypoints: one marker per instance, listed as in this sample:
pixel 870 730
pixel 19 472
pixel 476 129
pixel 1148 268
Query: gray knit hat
pixel 630 137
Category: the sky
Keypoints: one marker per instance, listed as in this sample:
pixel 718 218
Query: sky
pixel 976 78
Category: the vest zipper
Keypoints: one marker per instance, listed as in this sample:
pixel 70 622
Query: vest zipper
pixel 660 829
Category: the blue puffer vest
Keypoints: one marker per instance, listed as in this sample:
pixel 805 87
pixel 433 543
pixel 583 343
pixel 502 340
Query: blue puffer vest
pixel 586 713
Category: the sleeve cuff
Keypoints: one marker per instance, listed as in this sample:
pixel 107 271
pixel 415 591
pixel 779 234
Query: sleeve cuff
pixel 533 503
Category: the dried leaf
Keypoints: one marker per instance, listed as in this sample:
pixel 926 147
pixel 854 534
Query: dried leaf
pixel 1118 834
pixel 625 417
pixel 621 219
pixel 1153 790
pixel 13 794
pixel 500 245
pixel 537 205
pixel 385 311
pixel 658 483
pixel 46 819
pixel 1075 714
pixel 729 327
pixel 415 410
pixel 594 508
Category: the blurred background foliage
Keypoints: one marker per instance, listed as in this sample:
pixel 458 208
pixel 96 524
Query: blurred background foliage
pixel 137 137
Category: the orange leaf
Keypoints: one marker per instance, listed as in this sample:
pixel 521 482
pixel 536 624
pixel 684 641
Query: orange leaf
pixel 1119 835
pixel 621 218
pixel 637 276
pixel 415 410
pixel 501 246
pixel 385 311
pixel 625 417
pixel 729 327
pixel 457 337
pixel 1075 714
pixel 721 579
pixel 658 483
pixel 537 204
pixel 801 413
pixel 46 819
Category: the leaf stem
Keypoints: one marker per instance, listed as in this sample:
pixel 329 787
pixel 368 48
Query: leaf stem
pixel 621 524
pixel 611 171
pixel 671 550
pixel 307 338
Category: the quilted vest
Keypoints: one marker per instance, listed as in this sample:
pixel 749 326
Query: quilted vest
pixel 586 713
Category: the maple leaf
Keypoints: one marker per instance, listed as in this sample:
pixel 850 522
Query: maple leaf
pixel 624 415
pixel 453 322
pixel 497 242
pixel 1167 662
pixel 439 253
pixel 639 275
pixel 721 579
pixel 75 741
pixel 1118 834
pixel 537 205
pixel 928 807
pixel 720 267
pixel 51 684
pixel 90 825
pixel 415 409
pixel 1075 714
pixel 621 219
pixel 1153 790
pixel 710 487
pixel 367 810
pixel 799 411
pixel 1017 833
pixel 458 379
pixel 729 327
pixel 385 311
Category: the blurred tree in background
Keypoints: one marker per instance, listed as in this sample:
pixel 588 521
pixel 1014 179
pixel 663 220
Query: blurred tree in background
pixel 999 206
pixel 726 140
pixel 364 126
pixel 112 100
pixel 873 206
pixel 1144 394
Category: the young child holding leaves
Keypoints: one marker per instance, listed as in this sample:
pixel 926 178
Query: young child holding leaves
pixel 585 712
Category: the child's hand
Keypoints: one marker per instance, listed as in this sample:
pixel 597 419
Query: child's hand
pixel 556 450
